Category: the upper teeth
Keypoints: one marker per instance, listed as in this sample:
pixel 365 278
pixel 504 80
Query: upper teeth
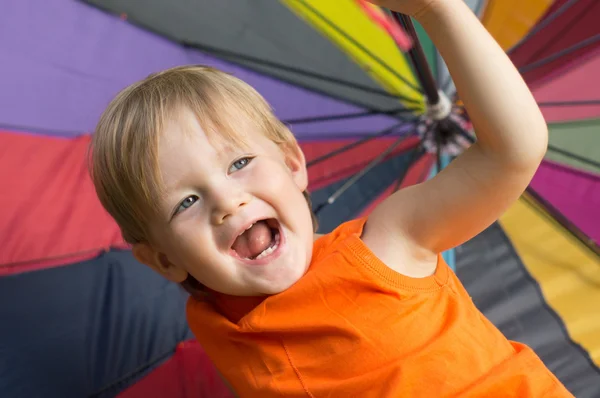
pixel 249 226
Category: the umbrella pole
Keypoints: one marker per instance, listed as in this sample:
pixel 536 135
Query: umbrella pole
pixel 439 105
pixel 417 56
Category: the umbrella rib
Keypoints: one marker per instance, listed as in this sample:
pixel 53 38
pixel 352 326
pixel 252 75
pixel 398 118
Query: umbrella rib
pixel 360 174
pixel 158 358
pixel 462 132
pixel 424 175
pixel 544 61
pixel 349 115
pixel 64 257
pixel 550 104
pixel 547 21
pixel 328 135
pixel 556 216
pixel 354 144
pixel 438 153
pixel 40 130
pixel 426 171
pixel 574 156
pixel 227 55
pixel 536 29
pixel 570 103
pixel 418 152
pixel 553 37
pixel 336 175
pixel 359 46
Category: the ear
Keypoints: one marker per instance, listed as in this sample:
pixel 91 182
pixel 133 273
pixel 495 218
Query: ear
pixel 159 262
pixel 296 162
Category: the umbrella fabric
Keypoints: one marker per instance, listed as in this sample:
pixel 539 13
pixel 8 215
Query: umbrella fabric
pixel 88 328
pixel 335 78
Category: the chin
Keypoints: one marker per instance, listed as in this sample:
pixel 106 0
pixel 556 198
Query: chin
pixel 271 287
pixel 276 289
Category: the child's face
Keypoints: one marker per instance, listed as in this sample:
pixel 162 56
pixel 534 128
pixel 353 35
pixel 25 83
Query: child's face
pixel 214 192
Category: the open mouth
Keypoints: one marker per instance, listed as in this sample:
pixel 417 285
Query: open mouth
pixel 258 241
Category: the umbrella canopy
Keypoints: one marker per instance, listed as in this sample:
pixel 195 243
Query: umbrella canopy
pixel 357 106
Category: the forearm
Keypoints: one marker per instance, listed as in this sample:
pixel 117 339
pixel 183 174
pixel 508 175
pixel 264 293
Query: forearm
pixel 507 120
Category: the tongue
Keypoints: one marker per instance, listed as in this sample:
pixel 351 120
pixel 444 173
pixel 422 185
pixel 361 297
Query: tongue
pixel 254 241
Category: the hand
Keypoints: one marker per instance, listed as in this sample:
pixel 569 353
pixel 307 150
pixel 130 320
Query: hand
pixel 407 7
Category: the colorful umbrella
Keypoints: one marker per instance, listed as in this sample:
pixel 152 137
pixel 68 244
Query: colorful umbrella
pixel 86 319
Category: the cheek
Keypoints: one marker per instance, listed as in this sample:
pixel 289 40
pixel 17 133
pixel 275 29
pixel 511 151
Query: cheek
pixel 290 201
pixel 273 176
pixel 274 183
pixel 186 239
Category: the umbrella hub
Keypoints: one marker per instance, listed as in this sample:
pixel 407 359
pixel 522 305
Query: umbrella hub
pixel 440 110
pixel 449 136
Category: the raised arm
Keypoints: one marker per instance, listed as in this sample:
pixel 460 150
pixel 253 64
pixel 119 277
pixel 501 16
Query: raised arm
pixel 477 187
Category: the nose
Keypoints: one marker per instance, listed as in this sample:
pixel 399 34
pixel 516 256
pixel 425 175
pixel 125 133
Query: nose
pixel 227 200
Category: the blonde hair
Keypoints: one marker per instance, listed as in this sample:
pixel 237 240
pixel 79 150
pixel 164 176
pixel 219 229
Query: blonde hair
pixel 124 149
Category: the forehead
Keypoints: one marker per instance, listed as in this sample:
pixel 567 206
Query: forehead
pixel 185 138
pixel 221 132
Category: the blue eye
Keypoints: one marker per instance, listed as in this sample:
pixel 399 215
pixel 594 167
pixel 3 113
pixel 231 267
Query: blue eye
pixel 187 202
pixel 239 164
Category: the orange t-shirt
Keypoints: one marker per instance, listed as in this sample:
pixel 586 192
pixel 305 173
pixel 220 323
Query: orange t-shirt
pixel 353 327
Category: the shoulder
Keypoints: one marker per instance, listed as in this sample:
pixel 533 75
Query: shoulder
pixel 391 248
pixel 325 244
pixel 395 248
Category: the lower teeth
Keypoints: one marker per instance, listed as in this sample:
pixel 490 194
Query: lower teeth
pixel 270 249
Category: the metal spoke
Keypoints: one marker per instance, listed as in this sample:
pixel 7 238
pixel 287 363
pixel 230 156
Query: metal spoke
pixel 574 156
pixel 562 220
pixel 569 103
pixel 547 21
pixel 346 148
pixel 562 53
pixel 237 57
pixel 359 46
pixel 418 152
pixel 360 174
pixel 350 115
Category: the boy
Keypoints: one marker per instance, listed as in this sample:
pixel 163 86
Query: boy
pixel 210 188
